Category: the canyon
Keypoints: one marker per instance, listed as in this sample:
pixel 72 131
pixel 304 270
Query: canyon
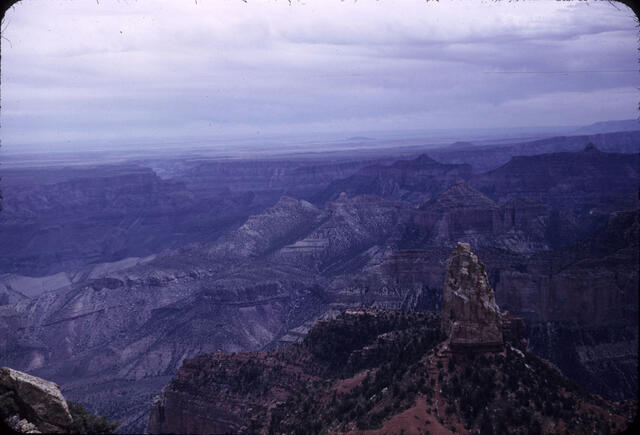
pixel 116 277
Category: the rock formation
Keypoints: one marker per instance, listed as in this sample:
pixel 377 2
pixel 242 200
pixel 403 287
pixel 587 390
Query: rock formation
pixel 487 157
pixel 377 371
pixel 414 180
pixel 470 317
pixel 460 212
pixel 62 218
pixel 581 306
pixel 32 405
pixel 263 233
pixel 587 182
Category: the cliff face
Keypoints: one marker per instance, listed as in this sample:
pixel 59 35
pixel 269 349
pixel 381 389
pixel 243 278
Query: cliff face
pixel 410 180
pixel 463 213
pixel 489 157
pixel 590 282
pixel 589 181
pixel 60 220
pixel 275 227
pixel 470 317
pixel 460 211
pixel 581 306
pixel 270 179
pixel 348 229
pixel 579 303
pixel 218 393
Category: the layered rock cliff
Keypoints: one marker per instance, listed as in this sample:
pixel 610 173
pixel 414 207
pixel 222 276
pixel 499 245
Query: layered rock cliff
pixel 488 157
pixel 461 212
pixel 271 178
pixel 580 304
pixel 586 182
pixel 458 212
pixel 470 317
pixel 62 219
pixel 285 222
pixel 411 180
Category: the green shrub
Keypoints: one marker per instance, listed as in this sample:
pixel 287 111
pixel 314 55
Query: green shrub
pixel 85 422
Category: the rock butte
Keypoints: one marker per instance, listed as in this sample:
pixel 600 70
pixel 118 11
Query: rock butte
pixel 471 319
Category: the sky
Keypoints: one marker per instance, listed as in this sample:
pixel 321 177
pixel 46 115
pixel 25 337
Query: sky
pixel 123 71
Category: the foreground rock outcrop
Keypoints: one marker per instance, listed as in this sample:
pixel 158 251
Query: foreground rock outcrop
pixel 29 404
pixel 32 405
pixel 382 370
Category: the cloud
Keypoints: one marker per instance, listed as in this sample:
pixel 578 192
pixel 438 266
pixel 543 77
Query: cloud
pixel 121 70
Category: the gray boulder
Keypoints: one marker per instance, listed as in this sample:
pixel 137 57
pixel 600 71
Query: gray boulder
pixel 40 406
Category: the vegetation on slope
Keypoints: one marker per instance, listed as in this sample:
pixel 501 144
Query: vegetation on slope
pixel 385 370
pixel 84 422
pixel 382 364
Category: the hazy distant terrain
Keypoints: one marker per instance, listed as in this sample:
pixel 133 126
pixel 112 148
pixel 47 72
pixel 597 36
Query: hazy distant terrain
pixel 114 273
pixel 609 127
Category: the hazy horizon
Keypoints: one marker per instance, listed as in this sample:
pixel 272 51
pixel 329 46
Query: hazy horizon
pixel 83 74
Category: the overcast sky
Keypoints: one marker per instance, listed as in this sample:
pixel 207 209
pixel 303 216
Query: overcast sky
pixel 84 70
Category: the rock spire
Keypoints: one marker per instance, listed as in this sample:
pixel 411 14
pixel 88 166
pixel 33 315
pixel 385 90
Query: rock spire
pixel 471 319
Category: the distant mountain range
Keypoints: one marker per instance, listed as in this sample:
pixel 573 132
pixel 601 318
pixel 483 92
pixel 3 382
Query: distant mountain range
pixel 609 127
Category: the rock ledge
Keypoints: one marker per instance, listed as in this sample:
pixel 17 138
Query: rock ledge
pixel 41 406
